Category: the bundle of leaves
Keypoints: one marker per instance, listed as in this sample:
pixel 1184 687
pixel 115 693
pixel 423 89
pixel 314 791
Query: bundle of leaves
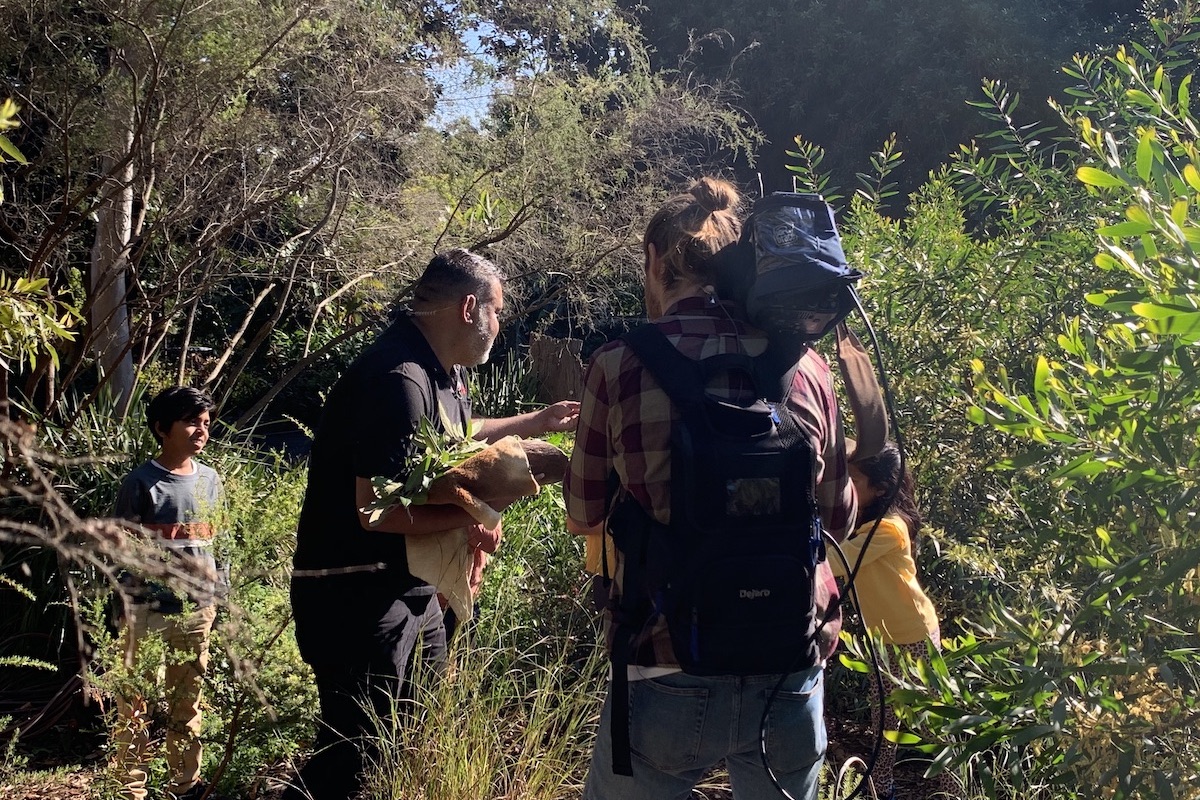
pixel 436 453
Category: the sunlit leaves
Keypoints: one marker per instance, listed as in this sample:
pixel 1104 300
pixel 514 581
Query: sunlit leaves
pixel 8 151
pixel 808 175
pixel 1113 413
pixel 1192 176
pixel 1096 177
pixel 32 322
pixel 1123 229
pixel 876 186
pixel 1170 320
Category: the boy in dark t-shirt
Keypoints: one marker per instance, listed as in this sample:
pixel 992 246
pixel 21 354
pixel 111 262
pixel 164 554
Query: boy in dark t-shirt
pixel 181 502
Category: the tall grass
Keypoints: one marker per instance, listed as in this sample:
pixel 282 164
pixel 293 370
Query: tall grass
pixel 515 714
pixel 499 724
pixel 502 387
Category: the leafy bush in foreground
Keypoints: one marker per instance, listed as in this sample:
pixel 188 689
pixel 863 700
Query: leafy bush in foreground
pixel 1083 679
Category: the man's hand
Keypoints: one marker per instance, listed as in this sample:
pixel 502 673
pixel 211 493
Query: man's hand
pixel 481 541
pixel 561 416
pixel 481 538
pixel 479 560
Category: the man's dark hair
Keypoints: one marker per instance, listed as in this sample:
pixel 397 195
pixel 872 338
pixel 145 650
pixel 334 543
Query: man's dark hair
pixel 453 274
pixel 171 405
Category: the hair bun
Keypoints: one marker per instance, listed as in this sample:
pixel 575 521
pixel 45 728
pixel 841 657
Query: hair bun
pixel 714 194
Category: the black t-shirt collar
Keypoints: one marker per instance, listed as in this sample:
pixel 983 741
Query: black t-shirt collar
pixel 406 329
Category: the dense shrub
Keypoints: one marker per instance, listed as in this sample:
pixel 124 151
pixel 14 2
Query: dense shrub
pixel 1073 495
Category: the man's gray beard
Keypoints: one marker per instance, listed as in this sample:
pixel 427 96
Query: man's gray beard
pixel 483 338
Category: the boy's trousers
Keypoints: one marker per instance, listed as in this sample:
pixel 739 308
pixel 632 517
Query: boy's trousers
pixel 186 639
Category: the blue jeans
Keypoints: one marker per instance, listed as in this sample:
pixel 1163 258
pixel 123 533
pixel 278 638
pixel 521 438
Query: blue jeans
pixel 681 725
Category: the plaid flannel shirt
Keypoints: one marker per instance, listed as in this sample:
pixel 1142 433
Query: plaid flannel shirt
pixel 625 428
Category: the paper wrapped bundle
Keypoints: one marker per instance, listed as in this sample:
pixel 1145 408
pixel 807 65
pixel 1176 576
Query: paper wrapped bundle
pixel 497 475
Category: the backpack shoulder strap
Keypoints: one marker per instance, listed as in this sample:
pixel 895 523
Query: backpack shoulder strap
pixel 682 379
pixel 775 370
pixel 679 376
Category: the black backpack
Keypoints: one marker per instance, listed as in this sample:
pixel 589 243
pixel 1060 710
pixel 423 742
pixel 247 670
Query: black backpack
pixel 732 574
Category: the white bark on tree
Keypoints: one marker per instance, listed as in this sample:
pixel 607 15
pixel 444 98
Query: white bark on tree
pixel 109 316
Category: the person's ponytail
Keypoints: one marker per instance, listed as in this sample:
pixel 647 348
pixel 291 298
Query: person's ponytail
pixel 692 227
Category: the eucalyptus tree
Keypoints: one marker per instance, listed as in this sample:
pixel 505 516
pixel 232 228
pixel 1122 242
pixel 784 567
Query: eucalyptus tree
pixel 187 158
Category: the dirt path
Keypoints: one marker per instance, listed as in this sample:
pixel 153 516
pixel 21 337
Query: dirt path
pixel 61 784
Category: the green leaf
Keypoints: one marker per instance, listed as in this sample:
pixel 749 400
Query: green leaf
pixel 1151 310
pixel 1095 177
pixel 966 721
pixel 1145 153
pixel 1179 212
pixel 1169 320
pixel 1041 380
pixel 11 150
pixel 1191 174
pixel 1084 466
pixel 1116 302
pixel 853 664
pixel 901 737
pixel 30 285
pixel 1141 98
pixel 1125 229
pixel 1029 734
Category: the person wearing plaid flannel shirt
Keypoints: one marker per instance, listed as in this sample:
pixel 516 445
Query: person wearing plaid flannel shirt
pixel 681 725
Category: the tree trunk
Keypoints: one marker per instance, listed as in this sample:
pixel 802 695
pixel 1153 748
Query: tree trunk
pixel 109 318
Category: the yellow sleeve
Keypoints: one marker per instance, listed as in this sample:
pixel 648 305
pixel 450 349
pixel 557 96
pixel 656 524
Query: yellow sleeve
pixel 892 535
pixel 591 554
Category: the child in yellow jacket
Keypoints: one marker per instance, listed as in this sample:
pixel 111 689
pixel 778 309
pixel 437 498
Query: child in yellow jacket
pixel 890 598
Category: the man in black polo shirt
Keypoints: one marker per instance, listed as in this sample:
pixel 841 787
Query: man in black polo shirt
pixel 363 621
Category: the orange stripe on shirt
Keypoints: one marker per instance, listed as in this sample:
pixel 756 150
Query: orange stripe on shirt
pixel 182 530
